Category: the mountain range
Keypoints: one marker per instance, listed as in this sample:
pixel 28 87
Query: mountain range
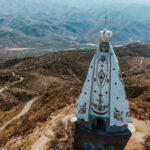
pixel 57 25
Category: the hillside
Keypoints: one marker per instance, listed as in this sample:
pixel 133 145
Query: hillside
pixel 134 49
pixel 43 24
pixel 43 31
pixel 56 80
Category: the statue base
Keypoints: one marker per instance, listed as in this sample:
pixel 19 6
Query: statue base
pixel 101 126
pixel 86 139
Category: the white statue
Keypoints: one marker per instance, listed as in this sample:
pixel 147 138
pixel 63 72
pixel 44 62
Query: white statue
pixel 103 102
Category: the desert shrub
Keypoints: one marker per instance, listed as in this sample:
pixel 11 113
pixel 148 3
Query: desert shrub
pixel 7 115
pixel 135 91
pixel 6 79
pixel 5 105
pixel 146 96
pixel 147 143
pixel 21 95
pixel 63 136
pixel 140 109
pixel 40 111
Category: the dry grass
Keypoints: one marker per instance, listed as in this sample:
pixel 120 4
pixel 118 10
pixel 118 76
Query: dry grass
pixel 14 96
pixel 147 142
pixel 63 136
pixel 140 109
pixel 58 85
pixel 7 115
pixel 40 111
pixel 6 79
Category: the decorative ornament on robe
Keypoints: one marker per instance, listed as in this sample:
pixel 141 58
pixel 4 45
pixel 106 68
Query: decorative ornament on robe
pixel 103 94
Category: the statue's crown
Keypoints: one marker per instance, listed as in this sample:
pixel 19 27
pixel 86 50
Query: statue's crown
pixel 105 35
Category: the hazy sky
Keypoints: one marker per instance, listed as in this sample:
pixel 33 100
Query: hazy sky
pixel 120 1
pixel 78 2
pixel 127 1
pixel 135 1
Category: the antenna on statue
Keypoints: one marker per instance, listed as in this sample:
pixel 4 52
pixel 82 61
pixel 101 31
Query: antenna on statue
pixel 106 21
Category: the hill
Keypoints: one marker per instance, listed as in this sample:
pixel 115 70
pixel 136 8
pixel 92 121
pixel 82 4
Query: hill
pixel 134 49
pixel 58 25
pixel 56 80
pixel 43 31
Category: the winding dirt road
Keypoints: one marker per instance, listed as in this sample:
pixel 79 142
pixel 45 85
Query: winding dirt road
pixel 24 111
pixel 29 104
pixel 141 62
pixel 16 82
pixel 21 78
pixel 34 66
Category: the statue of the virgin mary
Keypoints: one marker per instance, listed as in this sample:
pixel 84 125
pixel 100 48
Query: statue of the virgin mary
pixel 103 103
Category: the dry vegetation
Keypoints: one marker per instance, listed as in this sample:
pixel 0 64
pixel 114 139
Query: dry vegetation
pixel 59 83
pixel 40 111
pixel 13 97
pixel 6 79
pixel 7 115
pixel 64 136
pixel 147 142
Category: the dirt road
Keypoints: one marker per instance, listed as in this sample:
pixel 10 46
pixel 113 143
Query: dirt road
pixel 16 82
pixel 28 105
pixel 14 74
pixel 24 111
pixel 141 62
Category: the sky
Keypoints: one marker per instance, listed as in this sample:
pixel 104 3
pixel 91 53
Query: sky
pixel 136 1
pixel 127 1
pixel 93 2
pixel 97 1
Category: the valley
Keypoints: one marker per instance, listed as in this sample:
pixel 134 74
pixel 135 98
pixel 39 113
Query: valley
pixel 60 26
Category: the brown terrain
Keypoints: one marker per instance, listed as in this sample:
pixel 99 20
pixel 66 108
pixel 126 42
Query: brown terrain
pixel 38 97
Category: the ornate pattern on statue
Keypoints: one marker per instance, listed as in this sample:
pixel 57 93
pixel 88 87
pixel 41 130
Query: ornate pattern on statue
pixel 105 93
pixel 118 115
pixel 82 109
pixel 100 108
pixel 102 71
pixel 101 76
pixel 128 114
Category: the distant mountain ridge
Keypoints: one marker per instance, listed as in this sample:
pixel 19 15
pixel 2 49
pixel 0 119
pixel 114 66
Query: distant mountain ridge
pixel 60 25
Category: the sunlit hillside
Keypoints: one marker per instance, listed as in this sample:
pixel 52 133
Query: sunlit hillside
pixel 56 80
